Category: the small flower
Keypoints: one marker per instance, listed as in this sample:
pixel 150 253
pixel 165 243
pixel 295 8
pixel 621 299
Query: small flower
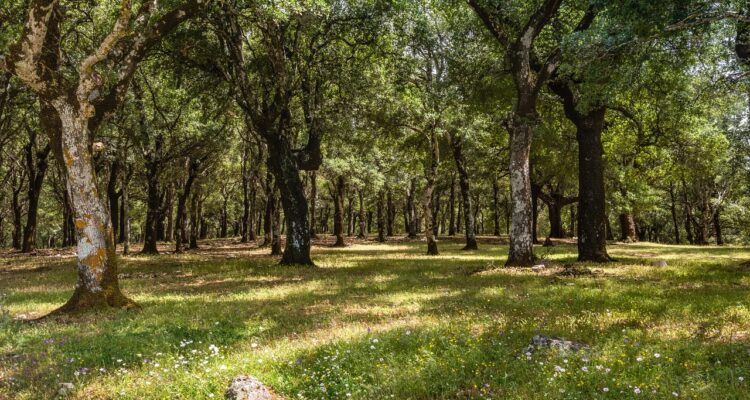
pixel 254 345
pixel 559 368
pixel 605 390
pixel 742 378
pixel 637 390
pixel 585 369
pixel 372 347
pixel 639 359
pixel 657 355
pixel 675 394
pixel 375 340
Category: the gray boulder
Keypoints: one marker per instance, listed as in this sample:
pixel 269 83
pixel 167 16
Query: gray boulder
pixel 246 387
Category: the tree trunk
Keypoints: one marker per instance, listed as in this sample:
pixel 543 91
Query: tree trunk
pixel 168 213
pixel 194 221
pixel 627 228
pixel 276 229
pixel 391 214
pixel 411 209
pixel 36 166
pixel 495 207
pixel 268 217
pixel 245 228
pixel 592 220
pixel 338 211
pixel 313 202
pixel 452 208
pixel 431 178
pixel 717 226
pixel 113 195
pixel 97 284
pixel 673 209
pixel 463 181
pixel 362 220
pixel 181 218
pixel 153 203
pixel 17 210
pixel 521 249
pixel 125 220
pixel 381 216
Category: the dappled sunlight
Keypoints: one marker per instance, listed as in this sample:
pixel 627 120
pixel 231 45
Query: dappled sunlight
pixel 297 328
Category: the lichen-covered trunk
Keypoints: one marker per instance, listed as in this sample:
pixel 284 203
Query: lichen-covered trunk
pixel 97 284
pixel 521 247
pixel 463 182
pixel 338 211
pixel 286 172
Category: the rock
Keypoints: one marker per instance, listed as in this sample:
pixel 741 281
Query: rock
pixel 659 263
pixel 539 341
pixel 66 388
pixel 538 268
pixel 246 387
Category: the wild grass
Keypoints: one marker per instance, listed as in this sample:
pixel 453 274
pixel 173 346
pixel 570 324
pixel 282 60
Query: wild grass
pixel 378 321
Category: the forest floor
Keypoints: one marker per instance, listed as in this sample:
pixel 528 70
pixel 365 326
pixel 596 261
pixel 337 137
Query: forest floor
pixel 378 321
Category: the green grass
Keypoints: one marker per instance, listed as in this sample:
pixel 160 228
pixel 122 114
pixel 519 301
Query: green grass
pixel 385 321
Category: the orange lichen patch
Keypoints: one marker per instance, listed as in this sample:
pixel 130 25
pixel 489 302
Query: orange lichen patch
pixel 80 224
pixel 95 260
pixel 68 158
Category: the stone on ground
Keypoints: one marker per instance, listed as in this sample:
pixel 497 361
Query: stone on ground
pixel 246 387
pixel 542 341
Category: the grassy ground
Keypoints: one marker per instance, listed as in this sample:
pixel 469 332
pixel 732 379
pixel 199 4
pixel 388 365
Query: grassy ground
pixel 385 321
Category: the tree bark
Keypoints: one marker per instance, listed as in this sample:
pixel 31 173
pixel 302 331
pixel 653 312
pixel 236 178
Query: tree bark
pixel 391 214
pixel 452 207
pixel 276 229
pixel 36 166
pixel 410 210
pixel 113 195
pixel 381 216
pixel 125 220
pixel 431 178
pixel 17 208
pixel 362 220
pixel 313 202
pixel 338 211
pixel 193 166
pixel 717 226
pixel 673 209
pixel 463 181
pixel 627 228
pixel 592 218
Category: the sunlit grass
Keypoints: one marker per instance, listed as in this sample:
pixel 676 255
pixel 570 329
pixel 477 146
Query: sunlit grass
pixel 386 321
